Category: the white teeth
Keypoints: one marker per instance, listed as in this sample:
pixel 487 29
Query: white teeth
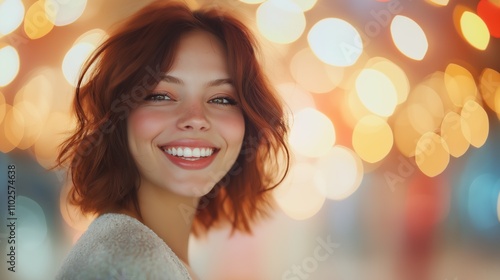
pixel 190 152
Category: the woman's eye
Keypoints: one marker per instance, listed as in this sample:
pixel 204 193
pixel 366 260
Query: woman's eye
pixel 155 97
pixel 224 101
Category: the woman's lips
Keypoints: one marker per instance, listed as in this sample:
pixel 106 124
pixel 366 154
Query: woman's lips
pixel 190 158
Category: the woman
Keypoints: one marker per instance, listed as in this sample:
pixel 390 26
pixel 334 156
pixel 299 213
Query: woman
pixel 178 131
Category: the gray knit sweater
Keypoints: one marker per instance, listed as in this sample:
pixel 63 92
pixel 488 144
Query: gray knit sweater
pixel 117 246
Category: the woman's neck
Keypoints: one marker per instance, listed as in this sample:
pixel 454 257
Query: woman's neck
pixel 169 215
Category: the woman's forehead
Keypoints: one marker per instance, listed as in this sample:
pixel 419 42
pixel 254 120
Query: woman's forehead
pixel 199 51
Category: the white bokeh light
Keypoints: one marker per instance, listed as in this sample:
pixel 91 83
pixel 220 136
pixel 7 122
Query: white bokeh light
pixel 64 12
pixel 339 173
pixel 74 59
pixel 409 37
pixel 305 5
pixel 377 92
pixel 335 42
pixel 280 21
pixel 252 1
pixel 9 61
pixel 11 15
pixel 312 133
pixel 298 196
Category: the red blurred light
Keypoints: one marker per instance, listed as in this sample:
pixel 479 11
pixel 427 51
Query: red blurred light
pixel 490 13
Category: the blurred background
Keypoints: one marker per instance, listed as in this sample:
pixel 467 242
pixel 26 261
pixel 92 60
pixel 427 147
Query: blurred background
pixel 395 109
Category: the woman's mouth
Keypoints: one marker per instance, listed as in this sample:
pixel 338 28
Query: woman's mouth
pixel 189 152
pixel 190 158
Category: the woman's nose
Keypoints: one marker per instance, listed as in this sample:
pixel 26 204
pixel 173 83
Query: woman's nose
pixel 193 117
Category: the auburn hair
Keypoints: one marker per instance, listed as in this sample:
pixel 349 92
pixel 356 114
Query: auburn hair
pixel 124 69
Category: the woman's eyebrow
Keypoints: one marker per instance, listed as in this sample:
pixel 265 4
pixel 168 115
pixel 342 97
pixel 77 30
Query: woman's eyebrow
pixel 217 82
pixel 171 79
pixel 220 82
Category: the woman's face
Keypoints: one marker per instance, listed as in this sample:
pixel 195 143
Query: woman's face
pixel 188 133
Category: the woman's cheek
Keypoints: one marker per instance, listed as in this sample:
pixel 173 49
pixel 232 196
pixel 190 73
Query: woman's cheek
pixel 233 126
pixel 144 123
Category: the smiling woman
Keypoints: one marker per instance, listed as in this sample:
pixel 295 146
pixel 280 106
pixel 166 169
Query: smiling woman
pixel 178 131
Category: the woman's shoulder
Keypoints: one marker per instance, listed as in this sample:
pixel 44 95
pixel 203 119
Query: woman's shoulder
pixel 120 236
pixel 116 246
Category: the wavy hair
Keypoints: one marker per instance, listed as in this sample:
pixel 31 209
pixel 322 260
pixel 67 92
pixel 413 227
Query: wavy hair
pixel 124 69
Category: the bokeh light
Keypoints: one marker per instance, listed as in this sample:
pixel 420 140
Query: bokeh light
pixel 406 135
pixel 9 57
pixel 280 21
pixel 335 74
pixel 33 241
pixel 64 12
pixel 489 86
pixel 335 41
pixel 350 73
pixel 13 126
pixel 490 14
pixel 2 107
pixel 437 83
pixel 32 121
pixel 94 36
pixel 339 173
pixel 460 84
pixel 372 138
pixel 33 225
pixel 432 154
pixel 389 135
pixel 5 145
pixel 352 108
pixel 394 73
pixel 36 22
pixel 439 2
pixel 39 92
pixel 312 133
pixel 482 203
pixel 295 97
pixel 74 60
pixel 425 109
pixel 474 30
pixel 252 1
pixel 309 72
pixel 12 14
pixel 305 5
pixel 409 37
pixel 298 196
pixel 376 92
pixel 475 123
pixel 56 129
pixel 454 135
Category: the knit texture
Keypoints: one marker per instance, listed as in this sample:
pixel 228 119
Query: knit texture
pixel 117 246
